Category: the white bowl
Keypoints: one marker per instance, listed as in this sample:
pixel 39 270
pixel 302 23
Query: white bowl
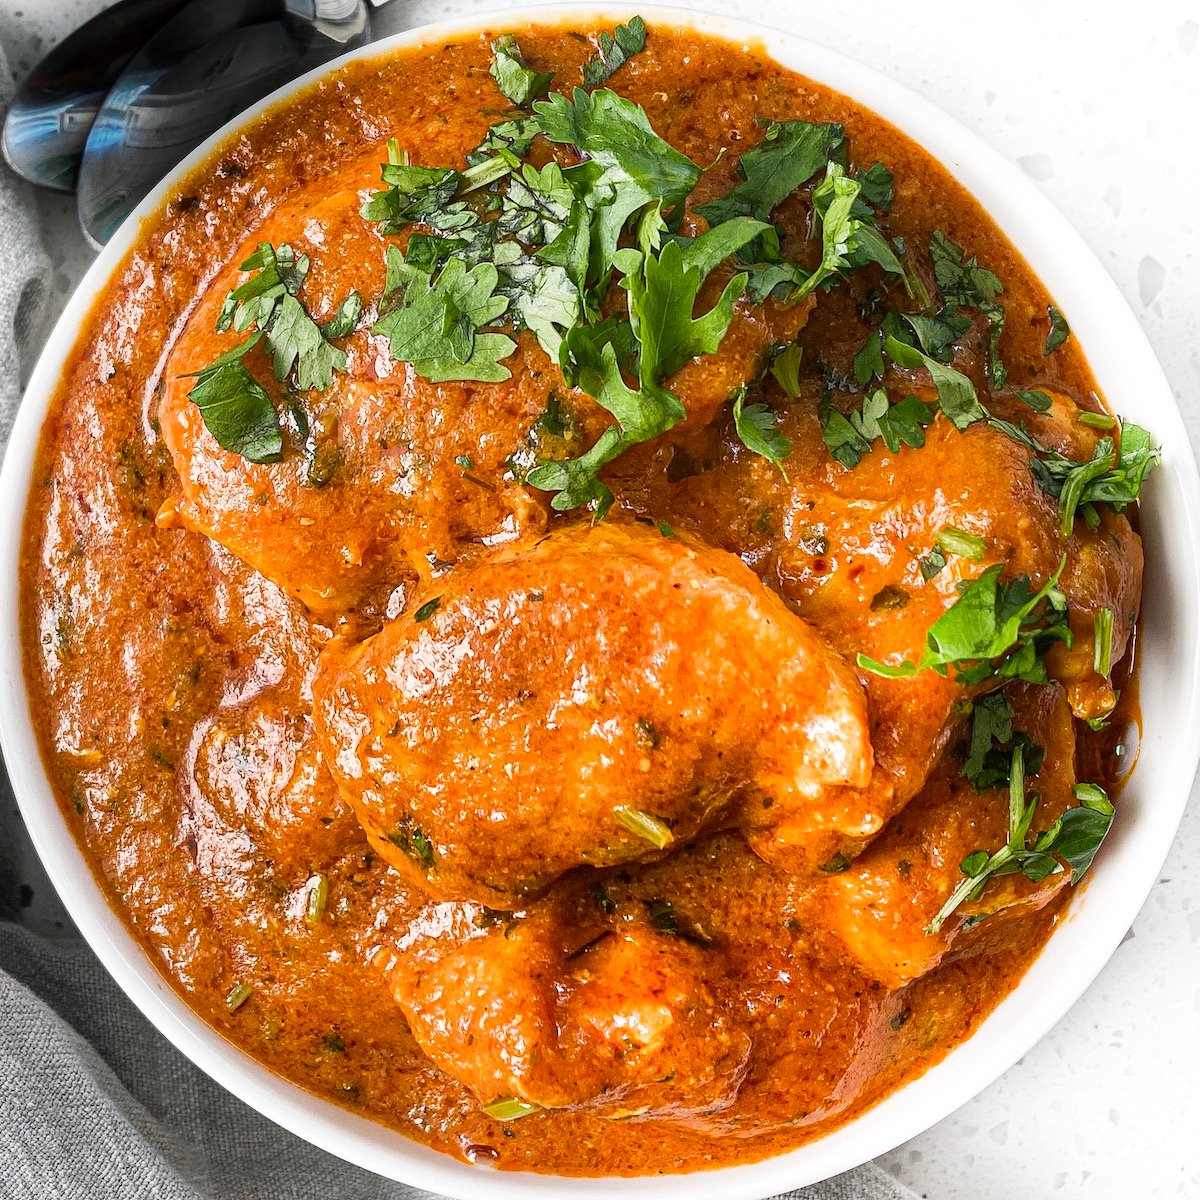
pixel 1150 807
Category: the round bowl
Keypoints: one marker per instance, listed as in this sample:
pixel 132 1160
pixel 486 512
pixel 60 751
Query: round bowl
pixel 1150 806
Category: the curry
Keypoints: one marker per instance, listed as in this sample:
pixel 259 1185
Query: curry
pixel 580 597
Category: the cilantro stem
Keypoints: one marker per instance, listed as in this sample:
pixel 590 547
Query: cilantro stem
pixel 1102 651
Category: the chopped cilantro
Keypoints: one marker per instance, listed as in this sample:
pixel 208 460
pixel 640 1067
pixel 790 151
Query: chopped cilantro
pixel 902 424
pixel 344 321
pixel 956 541
pixel 963 283
pixel 615 50
pixel 434 323
pixel 956 393
pixel 427 609
pixel 1036 399
pixel 236 409
pixel 1059 330
pixel 932 564
pixel 785 367
pixel 1113 476
pixel 989 758
pixel 789 155
pixel 1102 648
pixel 995 628
pixel 517 81
pixel 1071 842
pixel 756 427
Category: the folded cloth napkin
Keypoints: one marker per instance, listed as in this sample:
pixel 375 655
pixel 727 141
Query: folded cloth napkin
pixel 96 1104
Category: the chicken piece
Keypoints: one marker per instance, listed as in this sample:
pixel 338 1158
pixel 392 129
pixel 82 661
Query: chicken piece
pixel 882 905
pixel 587 699
pixel 385 471
pixel 256 767
pixel 845 547
pixel 620 1020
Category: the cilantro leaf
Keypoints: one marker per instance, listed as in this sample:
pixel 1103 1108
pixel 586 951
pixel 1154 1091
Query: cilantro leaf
pixel 962 282
pixel 956 393
pixel 233 404
pixel 435 323
pixel 518 82
pixel 989 759
pixel 847 242
pixel 275 273
pixel 296 340
pixel 868 362
pixel 994 628
pixel 536 205
pixel 878 187
pixel 902 424
pixel 513 136
pixel 937 335
pixel 236 409
pixel 661 299
pixel 616 135
pixel 542 297
pixel 756 427
pixel 616 49
pixel 1113 476
pixel 417 195
pixel 790 154
pixel 1072 841
pixel 1035 399
pixel 1059 330
pixel 663 287
pixel 345 319
pixel 785 367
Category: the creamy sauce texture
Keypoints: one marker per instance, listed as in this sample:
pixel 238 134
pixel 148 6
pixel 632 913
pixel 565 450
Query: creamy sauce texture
pixel 173 682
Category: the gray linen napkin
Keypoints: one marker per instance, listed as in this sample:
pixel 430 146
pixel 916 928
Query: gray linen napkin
pixel 95 1103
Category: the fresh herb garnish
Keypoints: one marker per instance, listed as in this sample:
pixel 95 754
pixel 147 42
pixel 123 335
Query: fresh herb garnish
pixel 236 408
pixel 643 825
pixel 316 898
pixel 788 156
pixel 1102 648
pixel 1113 476
pixel 785 367
pixel 932 564
pixel 996 628
pixel 1035 399
pixel 756 427
pixel 956 541
pixel 435 323
pixel 509 1108
pixel 237 996
pixel 849 437
pixel 1072 841
pixel 518 82
pixel 989 759
pixel 963 283
pixel 1059 330
pixel 950 541
pixel 427 609
pixel 615 50
pixel 956 393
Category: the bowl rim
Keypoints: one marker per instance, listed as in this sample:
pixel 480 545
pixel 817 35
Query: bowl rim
pixel 1098 918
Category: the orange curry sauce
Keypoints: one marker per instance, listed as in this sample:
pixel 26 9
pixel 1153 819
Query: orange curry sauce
pixel 173 684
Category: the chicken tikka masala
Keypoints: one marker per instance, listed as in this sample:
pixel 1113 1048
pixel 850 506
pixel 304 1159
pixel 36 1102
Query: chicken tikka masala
pixel 580 597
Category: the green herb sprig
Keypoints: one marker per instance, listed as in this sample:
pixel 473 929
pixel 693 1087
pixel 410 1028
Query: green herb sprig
pixel 1070 843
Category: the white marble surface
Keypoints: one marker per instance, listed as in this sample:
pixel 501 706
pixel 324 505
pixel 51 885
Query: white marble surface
pixel 1099 102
